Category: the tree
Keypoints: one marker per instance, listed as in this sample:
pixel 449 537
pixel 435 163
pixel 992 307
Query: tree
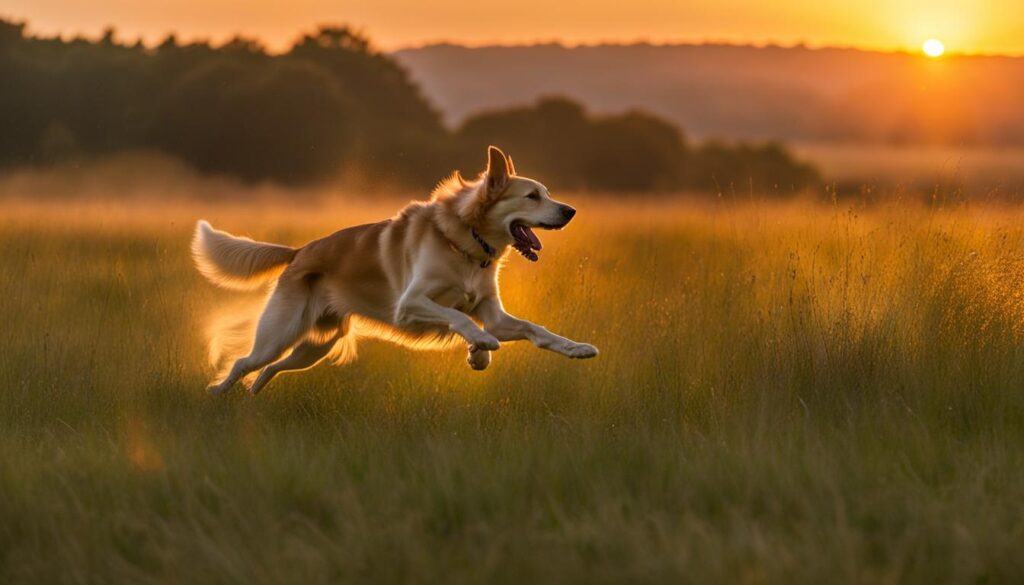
pixel 331 105
pixel 287 120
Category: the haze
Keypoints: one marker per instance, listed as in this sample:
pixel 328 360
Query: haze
pixel 978 26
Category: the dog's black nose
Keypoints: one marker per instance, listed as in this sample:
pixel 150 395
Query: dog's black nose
pixel 568 212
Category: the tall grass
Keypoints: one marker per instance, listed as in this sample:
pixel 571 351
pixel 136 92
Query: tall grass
pixel 785 393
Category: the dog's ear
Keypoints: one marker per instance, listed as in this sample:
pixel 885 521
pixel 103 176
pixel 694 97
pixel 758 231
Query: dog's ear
pixel 498 170
pixel 511 165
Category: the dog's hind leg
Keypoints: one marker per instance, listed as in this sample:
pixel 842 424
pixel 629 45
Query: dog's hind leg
pixel 304 356
pixel 283 323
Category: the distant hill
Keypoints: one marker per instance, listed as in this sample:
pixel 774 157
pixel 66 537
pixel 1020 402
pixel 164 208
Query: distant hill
pixel 741 92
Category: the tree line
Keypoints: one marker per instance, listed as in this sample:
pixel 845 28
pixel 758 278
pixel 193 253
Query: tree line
pixel 331 106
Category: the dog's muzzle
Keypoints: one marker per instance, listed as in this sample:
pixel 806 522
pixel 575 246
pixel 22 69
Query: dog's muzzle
pixel 566 212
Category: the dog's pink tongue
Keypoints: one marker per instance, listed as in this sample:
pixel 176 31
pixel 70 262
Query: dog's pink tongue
pixel 527 236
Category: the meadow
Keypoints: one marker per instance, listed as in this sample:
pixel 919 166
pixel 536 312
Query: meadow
pixel 786 392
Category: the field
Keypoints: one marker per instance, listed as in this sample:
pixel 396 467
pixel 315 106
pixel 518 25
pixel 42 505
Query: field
pixel 985 172
pixel 787 392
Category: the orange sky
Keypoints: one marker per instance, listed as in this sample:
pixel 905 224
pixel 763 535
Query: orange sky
pixel 985 26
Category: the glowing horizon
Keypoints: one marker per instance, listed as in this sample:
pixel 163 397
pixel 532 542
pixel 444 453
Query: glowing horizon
pixel 934 48
pixel 982 27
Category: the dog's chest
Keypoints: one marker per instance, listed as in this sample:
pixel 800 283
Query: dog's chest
pixel 464 296
pixel 468 301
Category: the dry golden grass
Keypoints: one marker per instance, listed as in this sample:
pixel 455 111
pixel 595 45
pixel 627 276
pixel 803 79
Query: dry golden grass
pixel 786 393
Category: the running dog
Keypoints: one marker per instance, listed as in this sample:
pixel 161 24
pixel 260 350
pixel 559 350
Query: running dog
pixel 424 278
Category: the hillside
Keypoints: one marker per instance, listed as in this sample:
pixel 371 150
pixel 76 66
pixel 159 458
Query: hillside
pixel 742 92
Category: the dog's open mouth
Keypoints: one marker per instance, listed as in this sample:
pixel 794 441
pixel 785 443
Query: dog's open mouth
pixel 526 242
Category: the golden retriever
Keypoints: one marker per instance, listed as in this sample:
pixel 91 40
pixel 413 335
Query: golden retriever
pixel 423 278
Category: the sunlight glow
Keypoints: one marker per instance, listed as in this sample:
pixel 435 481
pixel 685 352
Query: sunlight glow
pixel 933 48
pixel 972 26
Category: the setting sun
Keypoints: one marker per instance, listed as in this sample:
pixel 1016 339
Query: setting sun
pixel 933 48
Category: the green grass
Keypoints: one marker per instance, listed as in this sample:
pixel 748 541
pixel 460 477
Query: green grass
pixel 785 393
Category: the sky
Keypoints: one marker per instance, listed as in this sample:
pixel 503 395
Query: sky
pixel 965 26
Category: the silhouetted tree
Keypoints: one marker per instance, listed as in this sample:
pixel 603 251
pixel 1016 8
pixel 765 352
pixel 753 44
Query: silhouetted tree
pixel 720 168
pixel 287 120
pixel 398 134
pixel 559 142
pixel 541 138
pixel 636 152
pixel 332 104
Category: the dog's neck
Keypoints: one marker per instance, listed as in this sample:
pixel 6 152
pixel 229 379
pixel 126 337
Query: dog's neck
pixel 467 240
pixel 477 243
pixel 489 253
pixel 488 249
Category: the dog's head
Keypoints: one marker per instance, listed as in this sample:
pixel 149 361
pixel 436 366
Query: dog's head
pixel 507 208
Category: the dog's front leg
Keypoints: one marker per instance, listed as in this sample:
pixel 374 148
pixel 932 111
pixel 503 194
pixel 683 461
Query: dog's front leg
pixel 479 359
pixel 417 309
pixel 508 328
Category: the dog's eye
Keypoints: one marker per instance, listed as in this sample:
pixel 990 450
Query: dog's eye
pixel 534 195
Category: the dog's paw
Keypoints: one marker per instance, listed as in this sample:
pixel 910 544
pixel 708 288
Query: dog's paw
pixel 479 359
pixel 485 341
pixel 581 351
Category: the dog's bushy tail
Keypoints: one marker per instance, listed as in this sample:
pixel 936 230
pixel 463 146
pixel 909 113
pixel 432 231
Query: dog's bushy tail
pixel 234 262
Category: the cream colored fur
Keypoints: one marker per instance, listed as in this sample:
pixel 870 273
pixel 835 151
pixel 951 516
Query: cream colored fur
pixel 234 262
pixel 420 279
